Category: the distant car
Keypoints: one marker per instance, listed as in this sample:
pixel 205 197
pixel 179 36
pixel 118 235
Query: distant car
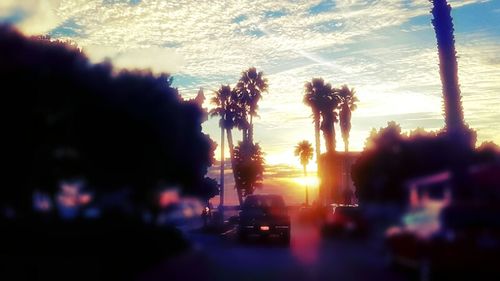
pixel 346 220
pixel 454 240
pixel 264 216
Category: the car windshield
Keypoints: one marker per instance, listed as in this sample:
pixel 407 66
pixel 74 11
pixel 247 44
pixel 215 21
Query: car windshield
pixel 347 211
pixel 263 202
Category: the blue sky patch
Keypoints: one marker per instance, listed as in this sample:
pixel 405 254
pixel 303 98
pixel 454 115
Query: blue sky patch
pixel 477 18
pixel 69 28
pixel 328 26
pixel 171 45
pixel 130 2
pixel 16 16
pixel 323 6
pixel 255 32
pixel 239 18
pixel 274 14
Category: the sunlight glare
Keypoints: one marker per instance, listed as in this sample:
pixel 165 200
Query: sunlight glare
pixel 309 181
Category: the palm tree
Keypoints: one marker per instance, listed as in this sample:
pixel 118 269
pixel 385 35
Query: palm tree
pixel 305 152
pixel 249 89
pixel 459 135
pixel 347 105
pixel 248 168
pixel 311 99
pixel 329 101
pixel 443 27
pixel 221 100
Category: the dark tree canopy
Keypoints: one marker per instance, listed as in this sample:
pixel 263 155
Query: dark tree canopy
pixel 64 117
pixel 249 167
pixel 391 158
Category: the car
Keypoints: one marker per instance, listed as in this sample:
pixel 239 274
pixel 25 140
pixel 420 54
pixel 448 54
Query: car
pixel 458 239
pixel 264 216
pixel 345 220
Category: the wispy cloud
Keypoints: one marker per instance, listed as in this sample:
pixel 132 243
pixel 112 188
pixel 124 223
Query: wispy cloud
pixel 373 46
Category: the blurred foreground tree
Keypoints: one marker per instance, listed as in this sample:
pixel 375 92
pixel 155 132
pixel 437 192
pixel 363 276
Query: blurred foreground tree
pixel 391 158
pixel 66 118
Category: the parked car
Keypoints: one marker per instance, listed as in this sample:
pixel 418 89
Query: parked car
pixel 345 220
pixel 456 240
pixel 264 216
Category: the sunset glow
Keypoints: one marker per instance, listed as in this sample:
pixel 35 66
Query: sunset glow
pixel 385 50
pixel 309 181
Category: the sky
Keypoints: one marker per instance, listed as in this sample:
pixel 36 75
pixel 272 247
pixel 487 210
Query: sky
pixel 385 49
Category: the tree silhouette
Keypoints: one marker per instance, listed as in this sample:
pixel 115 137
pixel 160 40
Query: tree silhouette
pixel 347 105
pixel 222 100
pixel 311 99
pixel 70 119
pixel 329 103
pixel 443 27
pixel 456 129
pixel 249 167
pixel 304 151
pixel 249 90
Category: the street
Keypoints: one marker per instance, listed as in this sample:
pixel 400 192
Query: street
pixel 309 257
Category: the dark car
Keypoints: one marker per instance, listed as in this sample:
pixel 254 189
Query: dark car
pixel 346 220
pixel 264 216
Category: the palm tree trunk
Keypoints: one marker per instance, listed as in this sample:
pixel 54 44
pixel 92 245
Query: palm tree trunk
pixel 345 179
pixel 221 203
pixel 317 139
pixel 307 187
pixel 231 152
pixel 328 141
pixel 454 117
pixel 230 142
pixel 334 138
pixel 250 130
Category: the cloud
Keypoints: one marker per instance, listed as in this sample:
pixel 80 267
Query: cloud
pixel 37 16
pixel 156 59
pixel 373 46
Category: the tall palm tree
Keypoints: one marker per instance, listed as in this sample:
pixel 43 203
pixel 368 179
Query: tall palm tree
pixel 222 102
pixel 456 129
pixel 305 152
pixel 347 105
pixel 443 26
pixel 249 89
pixel 329 101
pixel 311 99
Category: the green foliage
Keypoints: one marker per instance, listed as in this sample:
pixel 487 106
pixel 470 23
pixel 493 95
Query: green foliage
pixel 248 167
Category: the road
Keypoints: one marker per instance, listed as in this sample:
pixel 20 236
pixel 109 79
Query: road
pixel 309 257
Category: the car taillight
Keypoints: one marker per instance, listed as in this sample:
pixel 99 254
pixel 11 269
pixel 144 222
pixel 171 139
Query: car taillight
pixel 264 228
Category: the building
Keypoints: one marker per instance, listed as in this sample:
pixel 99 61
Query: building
pixel 336 185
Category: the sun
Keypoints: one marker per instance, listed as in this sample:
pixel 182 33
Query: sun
pixel 309 181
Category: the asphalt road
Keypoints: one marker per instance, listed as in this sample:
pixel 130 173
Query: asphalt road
pixel 309 257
